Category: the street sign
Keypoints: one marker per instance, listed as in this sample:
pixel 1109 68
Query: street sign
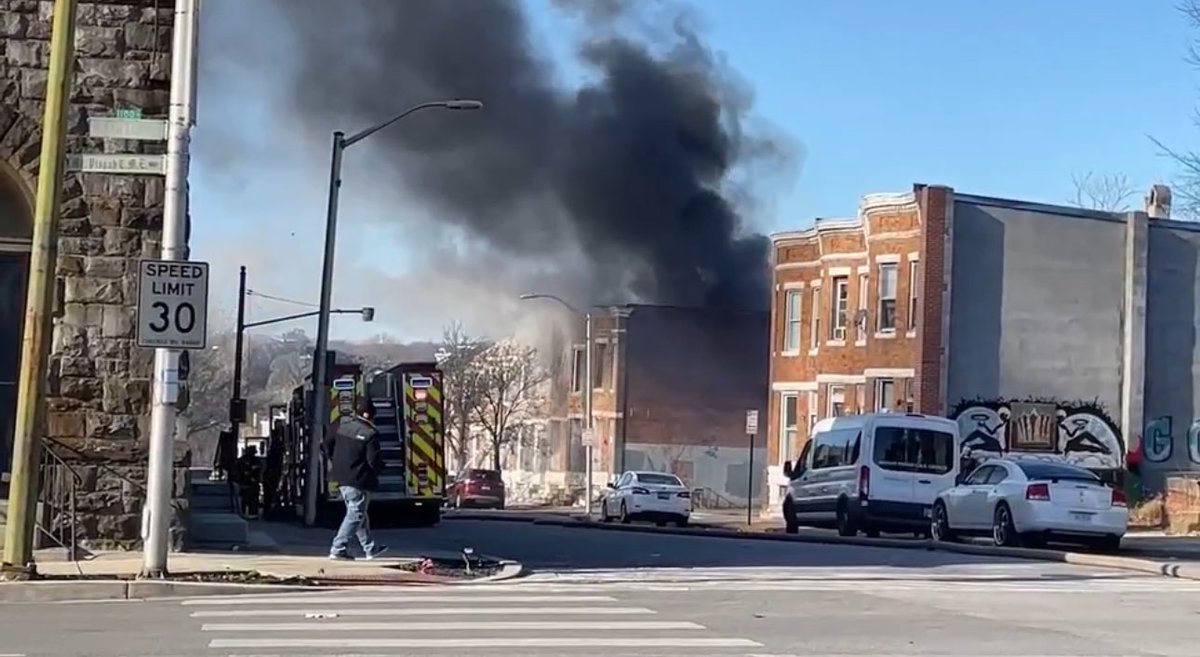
pixel 588 438
pixel 152 165
pixel 121 128
pixel 751 423
pixel 172 304
pixel 129 113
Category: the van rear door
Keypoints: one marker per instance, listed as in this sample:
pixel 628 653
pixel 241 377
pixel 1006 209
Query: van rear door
pixel 891 483
pixel 914 461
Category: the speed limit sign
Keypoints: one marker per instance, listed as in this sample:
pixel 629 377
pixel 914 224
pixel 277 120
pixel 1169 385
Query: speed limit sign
pixel 172 304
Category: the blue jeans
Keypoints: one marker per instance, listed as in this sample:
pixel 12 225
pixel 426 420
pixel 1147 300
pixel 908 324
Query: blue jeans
pixel 355 523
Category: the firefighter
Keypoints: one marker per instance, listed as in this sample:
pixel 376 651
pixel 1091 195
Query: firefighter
pixel 249 479
pixel 273 469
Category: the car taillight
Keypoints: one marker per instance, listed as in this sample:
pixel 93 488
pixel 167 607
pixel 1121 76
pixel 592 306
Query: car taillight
pixel 640 491
pixel 685 495
pixel 1118 497
pixel 1038 492
pixel 864 482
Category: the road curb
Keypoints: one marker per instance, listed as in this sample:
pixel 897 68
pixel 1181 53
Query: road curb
pixel 1116 562
pixel 107 590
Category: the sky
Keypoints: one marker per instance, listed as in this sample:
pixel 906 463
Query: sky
pixel 1009 99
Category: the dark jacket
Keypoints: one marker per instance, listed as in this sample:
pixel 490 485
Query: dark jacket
pixel 353 449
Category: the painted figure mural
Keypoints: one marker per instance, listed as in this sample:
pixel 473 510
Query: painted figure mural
pixel 1080 433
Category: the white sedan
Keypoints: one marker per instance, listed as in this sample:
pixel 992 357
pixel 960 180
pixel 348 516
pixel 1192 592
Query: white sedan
pixel 1027 502
pixel 657 496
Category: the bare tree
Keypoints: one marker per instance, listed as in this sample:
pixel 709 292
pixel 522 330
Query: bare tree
pixel 1102 192
pixel 456 357
pixel 1186 186
pixel 507 378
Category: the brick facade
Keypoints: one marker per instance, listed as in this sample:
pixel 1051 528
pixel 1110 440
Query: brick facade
pixel 836 347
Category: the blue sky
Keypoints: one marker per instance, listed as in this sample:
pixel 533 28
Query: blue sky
pixel 1005 99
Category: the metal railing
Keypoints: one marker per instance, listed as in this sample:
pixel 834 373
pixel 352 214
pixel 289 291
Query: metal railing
pixel 704 497
pixel 58 496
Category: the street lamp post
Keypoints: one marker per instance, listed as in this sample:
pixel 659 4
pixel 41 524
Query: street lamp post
pixel 587 389
pixel 237 407
pixel 320 397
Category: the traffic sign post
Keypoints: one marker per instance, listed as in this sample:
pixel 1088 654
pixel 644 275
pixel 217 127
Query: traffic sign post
pixel 751 431
pixel 172 304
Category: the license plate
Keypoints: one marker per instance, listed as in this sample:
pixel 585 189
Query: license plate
pixel 664 496
pixel 1086 517
pixel 485 488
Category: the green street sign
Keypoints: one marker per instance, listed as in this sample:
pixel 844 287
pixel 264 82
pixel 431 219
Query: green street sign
pixel 129 113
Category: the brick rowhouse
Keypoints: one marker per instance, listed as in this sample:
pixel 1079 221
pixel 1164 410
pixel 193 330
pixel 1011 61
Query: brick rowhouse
pixel 853 326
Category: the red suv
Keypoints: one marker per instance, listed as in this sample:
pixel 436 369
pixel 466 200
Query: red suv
pixel 477 488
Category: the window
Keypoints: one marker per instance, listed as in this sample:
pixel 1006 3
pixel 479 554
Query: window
pixel 837 401
pixel 997 476
pixel 815 336
pixel 577 370
pixel 601 372
pixel 1034 470
pixel 812 412
pixel 887 297
pixel 913 287
pixel 860 397
pixel 908 395
pixel 861 320
pixel 839 308
pixel 980 476
pixel 834 448
pixel 791 340
pixel 787 425
pixel 909 449
pixel 657 479
pixel 885 395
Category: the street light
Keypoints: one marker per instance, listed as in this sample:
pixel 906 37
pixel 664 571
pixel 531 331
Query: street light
pixel 237 406
pixel 589 434
pixel 320 399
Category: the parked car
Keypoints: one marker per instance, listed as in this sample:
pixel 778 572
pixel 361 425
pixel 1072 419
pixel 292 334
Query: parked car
pixel 871 473
pixel 477 488
pixel 656 496
pixel 1028 502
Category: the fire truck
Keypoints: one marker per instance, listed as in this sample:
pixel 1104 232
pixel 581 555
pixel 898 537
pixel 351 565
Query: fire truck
pixel 408 416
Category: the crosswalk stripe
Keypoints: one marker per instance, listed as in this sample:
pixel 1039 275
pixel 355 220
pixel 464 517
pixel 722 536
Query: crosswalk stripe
pixel 415 643
pixel 428 611
pixel 286 599
pixel 446 626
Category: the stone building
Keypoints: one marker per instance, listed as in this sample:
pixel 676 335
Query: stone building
pixel 98 381
pixel 998 313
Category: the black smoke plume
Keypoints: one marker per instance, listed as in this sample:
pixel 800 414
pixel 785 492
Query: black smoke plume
pixel 633 166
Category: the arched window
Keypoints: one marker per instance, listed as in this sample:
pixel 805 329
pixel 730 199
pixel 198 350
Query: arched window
pixel 16 216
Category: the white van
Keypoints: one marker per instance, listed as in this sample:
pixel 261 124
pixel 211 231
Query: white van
pixel 872 473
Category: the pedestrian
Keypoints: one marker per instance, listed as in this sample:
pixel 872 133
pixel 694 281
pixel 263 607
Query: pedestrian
pixel 249 480
pixel 353 449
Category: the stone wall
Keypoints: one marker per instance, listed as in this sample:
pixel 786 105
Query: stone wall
pixel 99 380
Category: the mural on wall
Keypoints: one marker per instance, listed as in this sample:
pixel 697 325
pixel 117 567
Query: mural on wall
pixel 1158 439
pixel 1081 433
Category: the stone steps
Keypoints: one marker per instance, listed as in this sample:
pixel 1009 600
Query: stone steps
pixel 213 522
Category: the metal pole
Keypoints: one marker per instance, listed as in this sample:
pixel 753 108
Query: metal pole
pixel 156 517
pixel 587 409
pixel 750 486
pixel 23 488
pixel 235 419
pixel 320 415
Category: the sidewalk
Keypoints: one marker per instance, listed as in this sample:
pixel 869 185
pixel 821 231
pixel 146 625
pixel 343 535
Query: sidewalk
pixel 127 565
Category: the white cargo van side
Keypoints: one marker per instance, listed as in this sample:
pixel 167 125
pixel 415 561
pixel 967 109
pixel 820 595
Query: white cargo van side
pixel 872 473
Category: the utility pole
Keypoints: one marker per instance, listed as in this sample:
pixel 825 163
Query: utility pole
pixel 320 372
pixel 236 407
pixel 35 343
pixel 587 409
pixel 156 517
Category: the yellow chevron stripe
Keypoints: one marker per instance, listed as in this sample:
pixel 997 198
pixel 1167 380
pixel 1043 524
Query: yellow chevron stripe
pixel 435 391
pixel 421 444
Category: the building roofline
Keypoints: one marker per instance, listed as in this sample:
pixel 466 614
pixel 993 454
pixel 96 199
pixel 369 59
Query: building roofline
pixel 1045 208
pixel 869 203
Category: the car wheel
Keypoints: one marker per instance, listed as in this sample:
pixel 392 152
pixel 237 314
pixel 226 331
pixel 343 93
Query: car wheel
pixel 625 519
pixel 1004 532
pixel 845 524
pixel 939 526
pixel 790 524
pixel 604 517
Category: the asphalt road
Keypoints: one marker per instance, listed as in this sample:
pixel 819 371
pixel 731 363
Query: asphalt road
pixel 639 595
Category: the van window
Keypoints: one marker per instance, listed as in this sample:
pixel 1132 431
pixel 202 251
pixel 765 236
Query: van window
pixel 910 449
pixel 835 448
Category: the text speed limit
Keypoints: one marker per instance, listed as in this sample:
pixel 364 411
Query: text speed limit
pixel 173 304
